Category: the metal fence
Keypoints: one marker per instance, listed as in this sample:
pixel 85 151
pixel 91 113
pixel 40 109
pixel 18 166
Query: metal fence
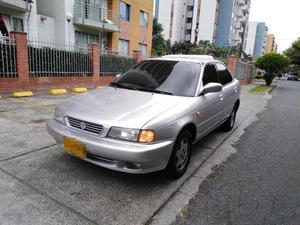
pixel 48 59
pixel 251 73
pixel 245 71
pixel 8 67
pixel 113 63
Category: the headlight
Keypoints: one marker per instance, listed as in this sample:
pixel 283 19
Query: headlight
pixel 143 136
pixel 59 116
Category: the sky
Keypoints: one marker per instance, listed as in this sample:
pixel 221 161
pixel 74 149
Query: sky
pixel 282 18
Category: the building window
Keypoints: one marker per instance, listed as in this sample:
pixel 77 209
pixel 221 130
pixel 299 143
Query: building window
pixel 143 49
pixel 188 32
pixel 144 17
pixel 83 39
pixel 17 24
pixel 190 8
pixel 123 47
pixel 124 11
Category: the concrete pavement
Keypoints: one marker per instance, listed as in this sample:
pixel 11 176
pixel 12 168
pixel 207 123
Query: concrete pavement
pixel 39 184
pixel 260 184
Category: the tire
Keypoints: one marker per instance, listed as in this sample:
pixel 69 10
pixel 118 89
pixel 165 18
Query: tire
pixel 229 123
pixel 182 151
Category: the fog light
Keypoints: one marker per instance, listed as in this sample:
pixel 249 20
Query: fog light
pixel 146 136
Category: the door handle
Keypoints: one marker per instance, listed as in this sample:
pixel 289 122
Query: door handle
pixel 235 89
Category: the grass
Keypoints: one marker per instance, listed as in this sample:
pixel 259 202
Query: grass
pixel 260 89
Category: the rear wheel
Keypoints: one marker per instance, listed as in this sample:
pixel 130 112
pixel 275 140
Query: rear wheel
pixel 229 123
pixel 181 155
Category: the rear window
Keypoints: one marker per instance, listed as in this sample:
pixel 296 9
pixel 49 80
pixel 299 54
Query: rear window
pixel 178 78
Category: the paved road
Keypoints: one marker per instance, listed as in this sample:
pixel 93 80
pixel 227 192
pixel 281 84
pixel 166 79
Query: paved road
pixel 261 183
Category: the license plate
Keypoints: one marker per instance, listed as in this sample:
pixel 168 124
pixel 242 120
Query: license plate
pixel 74 147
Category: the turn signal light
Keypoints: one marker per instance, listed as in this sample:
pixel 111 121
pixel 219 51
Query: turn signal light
pixel 146 136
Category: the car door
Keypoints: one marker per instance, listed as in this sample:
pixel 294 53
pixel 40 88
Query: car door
pixel 210 109
pixel 229 91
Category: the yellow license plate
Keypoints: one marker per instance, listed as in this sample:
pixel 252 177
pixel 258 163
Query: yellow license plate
pixel 74 147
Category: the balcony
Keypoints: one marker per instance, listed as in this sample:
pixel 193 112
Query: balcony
pixel 96 17
pixel 17 5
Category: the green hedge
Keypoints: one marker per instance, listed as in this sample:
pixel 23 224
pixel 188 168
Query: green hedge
pixel 114 64
pixel 44 62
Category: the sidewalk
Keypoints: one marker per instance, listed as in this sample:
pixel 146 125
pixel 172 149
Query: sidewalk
pixel 42 185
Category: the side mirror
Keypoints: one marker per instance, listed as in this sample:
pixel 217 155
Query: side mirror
pixel 211 88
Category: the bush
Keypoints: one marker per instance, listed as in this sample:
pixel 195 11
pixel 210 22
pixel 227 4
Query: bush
pixel 56 62
pixel 115 64
pixel 259 76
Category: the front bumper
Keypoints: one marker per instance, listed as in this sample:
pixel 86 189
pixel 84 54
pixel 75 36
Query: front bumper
pixel 124 156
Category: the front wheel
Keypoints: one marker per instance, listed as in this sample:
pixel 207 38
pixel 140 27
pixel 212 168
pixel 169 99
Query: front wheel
pixel 181 155
pixel 229 123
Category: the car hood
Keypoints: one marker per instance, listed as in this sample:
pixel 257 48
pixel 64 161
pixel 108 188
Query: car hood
pixel 119 107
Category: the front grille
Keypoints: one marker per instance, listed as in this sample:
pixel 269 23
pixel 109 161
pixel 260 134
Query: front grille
pixel 85 126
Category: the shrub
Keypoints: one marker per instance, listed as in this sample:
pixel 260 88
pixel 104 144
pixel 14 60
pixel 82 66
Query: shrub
pixel 114 64
pixel 259 76
pixel 57 62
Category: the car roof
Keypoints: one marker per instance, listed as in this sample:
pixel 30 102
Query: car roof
pixel 187 58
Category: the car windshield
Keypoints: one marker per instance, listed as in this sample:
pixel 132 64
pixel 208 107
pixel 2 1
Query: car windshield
pixel 160 76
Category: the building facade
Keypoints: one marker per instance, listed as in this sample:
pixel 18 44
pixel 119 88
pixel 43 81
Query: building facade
pixel 172 14
pixel 260 40
pixel 188 20
pixel 233 22
pixel 271 45
pixel 118 26
pixel 256 39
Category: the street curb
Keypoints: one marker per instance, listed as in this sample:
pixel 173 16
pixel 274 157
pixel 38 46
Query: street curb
pixel 272 89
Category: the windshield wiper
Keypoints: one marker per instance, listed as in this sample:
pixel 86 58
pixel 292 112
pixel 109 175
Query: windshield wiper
pixel 154 91
pixel 120 85
pixel 138 88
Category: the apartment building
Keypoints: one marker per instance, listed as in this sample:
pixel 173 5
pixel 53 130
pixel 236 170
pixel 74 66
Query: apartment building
pixel 206 20
pixel 233 22
pixel 121 26
pixel 256 39
pixel 188 20
pixel 271 45
pixel 172 14
pixel 18 15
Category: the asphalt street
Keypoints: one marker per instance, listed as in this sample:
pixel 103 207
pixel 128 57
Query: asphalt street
pixel 261 183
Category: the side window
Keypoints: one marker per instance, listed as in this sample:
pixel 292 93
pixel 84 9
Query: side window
pixel 223 74
pixel 210 75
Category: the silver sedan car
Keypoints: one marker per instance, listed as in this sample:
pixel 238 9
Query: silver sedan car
pixel 149 118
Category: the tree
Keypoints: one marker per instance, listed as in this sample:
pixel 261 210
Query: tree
pixel 294 52
pixel 158 42
pixel 272 63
